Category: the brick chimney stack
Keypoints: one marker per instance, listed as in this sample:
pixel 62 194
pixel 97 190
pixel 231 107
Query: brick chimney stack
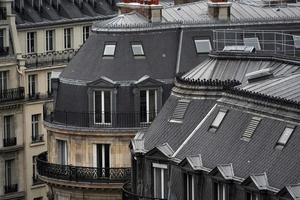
pixel 219 9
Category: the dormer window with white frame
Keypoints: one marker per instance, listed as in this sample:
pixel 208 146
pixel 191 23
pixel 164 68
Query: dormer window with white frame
pixel 31 42
pixel 109 50
pixel 296 39
pixel 220 191
pixel 137 49
pixel 218 120
pixel 102 106
pixel 202 45
pixel 148 105
pixel 189 187
pixel 160 180
pixel 285 136
pixel 251 196
pixel 252 42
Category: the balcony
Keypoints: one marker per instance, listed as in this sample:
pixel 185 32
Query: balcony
pixel 7 142
pixel 128 195
pixel 37 138
pixel 49 59
pixel 81 174
pixel 12 94
pixel 100 120
pixel 10 188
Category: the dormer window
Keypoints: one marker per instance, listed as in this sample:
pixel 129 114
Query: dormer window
pixel 160 180
pixel 102 107
pixel 251 195
pixel 137 49
pixel 218 120
pixel 109 49
pixel 202 46
pixel 148 105
pixel 296 39
pixel 252 42
pixel 189 186
pixel 285 136
pixel 220 191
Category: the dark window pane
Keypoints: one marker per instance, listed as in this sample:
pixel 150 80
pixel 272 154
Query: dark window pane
pixel 143 108
pixel 107 106
pixel 152 105
pixel 98 107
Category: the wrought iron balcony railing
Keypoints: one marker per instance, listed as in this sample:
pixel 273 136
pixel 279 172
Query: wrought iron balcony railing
pixel 37 138
pixel 10 188
pixel 12 94
pixel 81 174
pixel 7 142
pixel 101 120
pixel 128 195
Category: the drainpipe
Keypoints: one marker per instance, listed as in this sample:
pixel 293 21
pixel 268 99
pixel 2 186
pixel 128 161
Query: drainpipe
pixel 179 51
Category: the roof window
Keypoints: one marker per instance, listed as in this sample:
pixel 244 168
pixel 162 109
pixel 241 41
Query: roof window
pixel 285 136
pixel 247 135
pixel 296 39
pixel 109 49
pixel 252 42
pixel 202 46
pixel 218 120
pixel 180 110
pixel 137 49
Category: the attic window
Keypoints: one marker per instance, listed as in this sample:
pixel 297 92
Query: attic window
pixel 202 46
pixel 137 49
pixel 217 121
pixel 109 49
pixel 296 39
pixel 284 137
pixel 180 110
pixel 252 42
pixel 247 135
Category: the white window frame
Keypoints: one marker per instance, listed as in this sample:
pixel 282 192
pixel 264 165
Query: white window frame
pixel 218 119
pixel 163 168
pixel 200 42
pixel 86 31
pixel 285 136
pixel 107 50
pixel 8 130
pixel 147 104
pixel 31 42
pixel 68 33
pixel 9 164
pixel 49 40
pixel 188 176
pixel 49 89
pixel 296 39
pixel 102 107
pixel 30 84
pixel 221 192
pixel 35 122
pixel 61 141
pixel 141 48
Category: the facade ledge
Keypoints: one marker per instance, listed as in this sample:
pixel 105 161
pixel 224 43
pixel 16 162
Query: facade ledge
pixel 15 195
pixel 37 144
pixel 37 186
pixel 11 148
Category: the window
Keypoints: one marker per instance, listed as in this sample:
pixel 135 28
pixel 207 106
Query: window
pixel 62 154
pixel 219 191
pixel 202 46
pixel 137 49
pixel 35 128
pixel 180 110
pixel 247 135
pixel 217 121
pixel 49 40
pixel 251 196
pixel 68 38
pixel 35 179
pixel 9 139
pixel 49 89
pixel 160 180
pixel 3 80
pixel 148 105
pixel 296 39
pixel 86 33
pixel 2 39
pixel 32 85
pixel 189 187
pixel 284 137
pixel 102 107
pixel 252 42
pixel 8 172
pixel 31 37
pixel 109 49
pixel 102 158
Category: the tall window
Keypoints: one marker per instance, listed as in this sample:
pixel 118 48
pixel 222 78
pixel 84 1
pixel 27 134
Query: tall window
pixel 148 105
pixel 35 128
pixel 68 32
pixel 31 37
pixel 3 80
pixel 85 33
pixel 49 89
pixel 49 40
pixel 8 126
pixel 2 39
pixel 189 187
pixel 102 158
pixel 160 180
pixel 219 191
pixel 62 152
pixel 251 196
pixel 32 85
pixel 8 172
pixel 102 106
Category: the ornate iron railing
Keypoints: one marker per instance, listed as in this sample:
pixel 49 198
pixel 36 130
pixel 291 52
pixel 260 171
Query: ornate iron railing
pixel 81 174
pixel 12 94
pixel 101 120
pixel 7 142
pixel 128 195
pixel 10 188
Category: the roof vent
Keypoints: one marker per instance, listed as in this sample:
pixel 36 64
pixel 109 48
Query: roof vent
pixel 247 135
pixel 180 110
pixel 239 49
pixel 259 74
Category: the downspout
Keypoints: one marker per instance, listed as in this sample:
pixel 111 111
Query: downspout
pixel 179 51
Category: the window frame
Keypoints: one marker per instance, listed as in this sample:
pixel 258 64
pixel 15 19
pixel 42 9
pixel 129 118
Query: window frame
pixel 257 47
pixel 31 42
pixel 189 176
pixel 251 192
pixel 102 106
pixel 68 38
pixel 62 145
pixel 114 51
pixel 202 40
pixel 8 170
pixel 148 114
pixel 49 39
pixel 8 134
pixel 35 127
pixel 279 144
pixel 32 85
pixel 85 33
pixel 224 191
pixel 49 82
pixel 137 43
pixel 213 128
pixel 163 169
pixel 4 80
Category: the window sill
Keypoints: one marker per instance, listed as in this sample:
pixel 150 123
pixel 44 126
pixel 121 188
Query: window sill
pixel 34 144
pixel 38 185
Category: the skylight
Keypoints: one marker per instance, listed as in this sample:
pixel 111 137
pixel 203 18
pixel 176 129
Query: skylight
pixel 247 135
pixel 109 50
pixel 252 42
pixel 296 41
pixel 202 46
pixel 180 110
pixel 137 50
pixel 218 120
pixel 284 137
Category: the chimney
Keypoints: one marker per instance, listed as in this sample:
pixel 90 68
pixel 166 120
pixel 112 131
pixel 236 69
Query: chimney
pixel 150 9
pixel 219 9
